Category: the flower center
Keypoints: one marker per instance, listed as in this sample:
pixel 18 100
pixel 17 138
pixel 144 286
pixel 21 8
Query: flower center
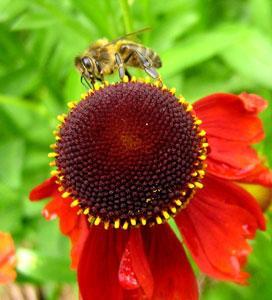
pixel 130 154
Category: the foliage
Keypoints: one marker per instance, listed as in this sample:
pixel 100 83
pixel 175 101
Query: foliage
pixel 206 46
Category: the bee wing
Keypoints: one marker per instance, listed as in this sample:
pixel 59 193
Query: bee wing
pixel 129 35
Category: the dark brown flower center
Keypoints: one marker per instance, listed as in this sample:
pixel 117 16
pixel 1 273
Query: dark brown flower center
pixel 130 153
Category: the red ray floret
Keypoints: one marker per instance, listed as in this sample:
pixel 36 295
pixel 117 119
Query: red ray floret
pixel 216 225
pixel 232 125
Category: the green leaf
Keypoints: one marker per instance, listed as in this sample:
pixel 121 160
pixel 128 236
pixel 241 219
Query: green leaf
pixel 10 208
pixel 200 48
pixel 251 57
pixel 44 268
pixel 33 21
pixel 177 25
pixel 11 162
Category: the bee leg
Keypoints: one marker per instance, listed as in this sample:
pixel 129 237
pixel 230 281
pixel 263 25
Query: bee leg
pixel 128 74
pixel 86 82
pixel 120 65
pixel 147 66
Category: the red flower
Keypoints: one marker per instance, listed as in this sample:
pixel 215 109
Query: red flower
pixel 128 139
pixel 7 258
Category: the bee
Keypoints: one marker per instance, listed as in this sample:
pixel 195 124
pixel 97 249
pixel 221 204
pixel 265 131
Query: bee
pixel 104 57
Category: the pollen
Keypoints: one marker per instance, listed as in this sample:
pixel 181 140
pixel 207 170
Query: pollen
pixel 129 154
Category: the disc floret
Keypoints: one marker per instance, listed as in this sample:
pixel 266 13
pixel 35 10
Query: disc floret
pixel 129 154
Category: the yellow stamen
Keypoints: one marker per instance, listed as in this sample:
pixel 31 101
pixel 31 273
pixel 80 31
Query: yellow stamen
pixel 143 221
pixel 198 122
pixel 133 221
pixel 52 163
pixel 97 221
pixel 86 211
pixel 202 133
pixel 125 226
pixel 125 78
pixel 173 91
pixel 202 157
pixel 65 195
pixel 173 209
pixel 71 104
pixel 181 100
pixel 194 174
pixel 91 219
pixel 74 203
pixel 79 212
pixel 54 173
pixel 178 202
pixel 159 220
pixel 107 225
pixel 117 224
pixel 201 172
pixel 96 86
pixel 191 185
pixel 199 185
pixel 60 188
pixel 53 146
pixel 189 107
pixel 61 118
pixel 205 145
pixel 165 214
pixel 52 154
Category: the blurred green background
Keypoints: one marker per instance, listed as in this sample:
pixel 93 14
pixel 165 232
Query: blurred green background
pixel 206 46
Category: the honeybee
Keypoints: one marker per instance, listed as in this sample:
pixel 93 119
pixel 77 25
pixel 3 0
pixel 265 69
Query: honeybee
pixel 104 57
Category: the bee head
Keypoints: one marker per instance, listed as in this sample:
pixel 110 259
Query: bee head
pixel 85 64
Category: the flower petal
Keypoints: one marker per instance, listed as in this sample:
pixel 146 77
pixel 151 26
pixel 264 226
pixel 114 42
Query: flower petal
pixel 99 264
pixel 259 175
pixel 232 125
pixel 44 190
pixel 71 224
pixel 215 226
pixel 172 273
pixel 134 270
pixel 7 258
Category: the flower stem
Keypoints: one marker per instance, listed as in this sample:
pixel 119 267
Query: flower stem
pixel 126 15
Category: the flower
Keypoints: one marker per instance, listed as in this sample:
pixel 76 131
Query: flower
pixel 7 258
pixel 132 155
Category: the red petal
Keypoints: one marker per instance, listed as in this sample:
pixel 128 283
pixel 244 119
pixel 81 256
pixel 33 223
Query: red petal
pixel 253 103
pixel 99 264
pixel 44 190
pixel 232 125
pixel 134 270
pixel 215 226
pixel 7 258
pixel 259 175
pixel 78 236
pixel 71 224
pixel 172 273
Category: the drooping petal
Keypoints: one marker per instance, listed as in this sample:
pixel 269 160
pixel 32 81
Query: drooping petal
pixel 7 258
pixel 232 126
pixel 134 270
pixel 99 265
pixel 44 190
pixel 259 175
pixel 216 225
pixel 71 223
pixel 172 273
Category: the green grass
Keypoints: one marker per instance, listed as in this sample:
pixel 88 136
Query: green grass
pixel 206 46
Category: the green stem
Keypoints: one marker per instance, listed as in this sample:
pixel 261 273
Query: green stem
pixel 126 15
